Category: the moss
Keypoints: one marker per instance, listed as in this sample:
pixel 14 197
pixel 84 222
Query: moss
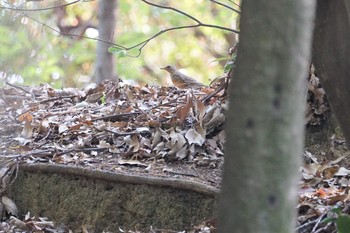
pixel 102 205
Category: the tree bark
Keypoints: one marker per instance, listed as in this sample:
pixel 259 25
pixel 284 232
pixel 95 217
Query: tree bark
pixel 106 24
pixel 265 122
pixel 331 52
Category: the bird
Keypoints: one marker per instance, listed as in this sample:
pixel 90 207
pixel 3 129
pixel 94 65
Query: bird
pixel 181 80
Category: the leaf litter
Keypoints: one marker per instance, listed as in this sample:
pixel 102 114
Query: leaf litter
pixel 150 131
pixel 157 131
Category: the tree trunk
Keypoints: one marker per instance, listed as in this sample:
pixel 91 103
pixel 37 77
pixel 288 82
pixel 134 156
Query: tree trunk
pixel 265 122
pixel 106 24
pixel 331 52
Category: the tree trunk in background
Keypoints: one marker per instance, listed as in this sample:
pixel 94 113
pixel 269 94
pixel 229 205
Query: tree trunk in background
pixel 265 122
pixel 106 24
pixel 331 53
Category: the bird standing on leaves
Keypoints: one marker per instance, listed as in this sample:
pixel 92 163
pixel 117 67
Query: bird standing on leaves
pixel 181 80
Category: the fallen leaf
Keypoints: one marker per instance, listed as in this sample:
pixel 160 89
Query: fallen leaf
pixel 183 111
pixel 27 117
pixel 9 205
pixel 193 137
pixel 342 172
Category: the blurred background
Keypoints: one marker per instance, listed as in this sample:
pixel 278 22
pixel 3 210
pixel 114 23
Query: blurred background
pixel 37 46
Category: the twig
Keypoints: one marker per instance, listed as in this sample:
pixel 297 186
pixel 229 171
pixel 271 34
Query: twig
pixel 118 134
pixel 57 98
pixel 18 87
pixel 142 44
pixel 81 150
pixel 319 219
pixel 220 88
pixel 306 227
pixel 64 33
pixel 73 35
pixel 38 9
pixel 179 173
pixel 40 153
pixel 325 228
pixel 117 117
pixel 145 42
pixel 167 104
pixel 235 3
pixel 224 86
pixel 226 6
pixel 173 9
pixel 199 24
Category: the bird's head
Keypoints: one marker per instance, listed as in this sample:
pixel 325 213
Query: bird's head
pixel 171 69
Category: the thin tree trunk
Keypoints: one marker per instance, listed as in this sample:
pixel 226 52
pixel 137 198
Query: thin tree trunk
pixel 265 122
pixel 106 24
pixel 331 51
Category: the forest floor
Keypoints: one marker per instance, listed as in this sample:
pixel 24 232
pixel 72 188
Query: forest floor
pixel 160 132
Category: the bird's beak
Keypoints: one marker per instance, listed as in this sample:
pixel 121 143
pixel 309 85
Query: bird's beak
pixel 162 68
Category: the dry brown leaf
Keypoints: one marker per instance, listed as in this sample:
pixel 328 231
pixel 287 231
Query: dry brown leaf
pixel 200 130
pixel 183 111
pixel 329 172
pixel 26 117
pixel 93 98
pixel 134 143
pixel 333 200
pixel 153 124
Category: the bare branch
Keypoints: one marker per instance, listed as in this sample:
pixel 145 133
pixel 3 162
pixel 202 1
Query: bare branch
pixel 142 44
pixel 73 35
pixel 145 42
pixel 39 9
pixel 173 9
pixel 66 34
pixel 199 24
pixel 235 4
pixel 226 6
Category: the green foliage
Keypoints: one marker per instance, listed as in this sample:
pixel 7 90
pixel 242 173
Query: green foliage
pixel 103 99
pixel 38 54
pixel 118 51
pixel 230 63
pixel 342 221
